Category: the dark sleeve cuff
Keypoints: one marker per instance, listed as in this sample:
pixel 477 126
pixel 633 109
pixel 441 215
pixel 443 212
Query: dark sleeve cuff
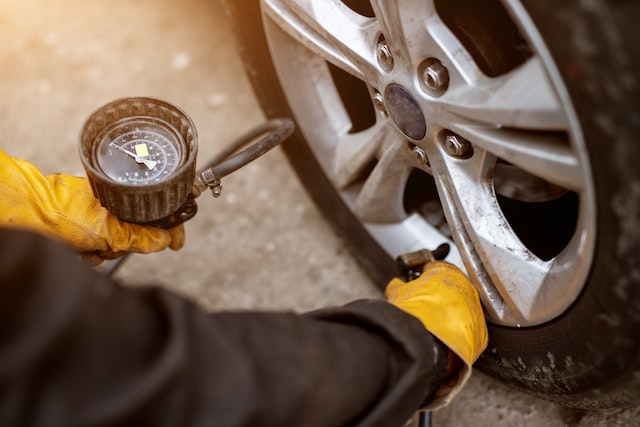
pixel 419 361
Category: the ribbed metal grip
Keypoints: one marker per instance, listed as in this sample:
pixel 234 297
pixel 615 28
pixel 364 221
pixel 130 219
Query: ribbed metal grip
pixel 140 203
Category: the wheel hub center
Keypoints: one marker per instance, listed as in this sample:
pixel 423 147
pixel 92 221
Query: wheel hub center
pixel 405 112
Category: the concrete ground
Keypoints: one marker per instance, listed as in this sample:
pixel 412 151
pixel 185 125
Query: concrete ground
pixel 262 245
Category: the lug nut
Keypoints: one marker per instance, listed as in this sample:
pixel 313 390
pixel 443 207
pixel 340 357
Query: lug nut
pixel 420 156
pixel 436 76
pixel 458 147
pixel 383 53
pixel 378 102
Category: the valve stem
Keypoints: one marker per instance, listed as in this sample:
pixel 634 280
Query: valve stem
pixel 410 265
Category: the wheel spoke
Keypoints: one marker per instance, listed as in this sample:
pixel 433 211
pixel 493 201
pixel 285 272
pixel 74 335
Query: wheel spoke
pixel 388 15
pixel 398 26
pixel 522 98
pixel 472 209
pixel 355 153
pixel 381 198
pixel 331 30
pixel 393 15
pixel 547 155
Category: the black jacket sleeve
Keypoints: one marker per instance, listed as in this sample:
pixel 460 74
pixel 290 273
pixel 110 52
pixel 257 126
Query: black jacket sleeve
pixel 76 349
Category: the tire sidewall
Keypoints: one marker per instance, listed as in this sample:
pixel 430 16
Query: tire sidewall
pixel 588 357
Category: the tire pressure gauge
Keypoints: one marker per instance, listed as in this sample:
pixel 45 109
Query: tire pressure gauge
pixel 140 158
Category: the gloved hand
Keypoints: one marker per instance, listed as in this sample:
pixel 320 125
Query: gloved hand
pixel 63 207
pixel 447 304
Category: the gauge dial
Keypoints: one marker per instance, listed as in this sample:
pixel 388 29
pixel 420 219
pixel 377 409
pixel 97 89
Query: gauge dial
pixel 139 151
pixel 139 154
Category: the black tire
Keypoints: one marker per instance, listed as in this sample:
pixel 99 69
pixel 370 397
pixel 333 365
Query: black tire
pixel 588 357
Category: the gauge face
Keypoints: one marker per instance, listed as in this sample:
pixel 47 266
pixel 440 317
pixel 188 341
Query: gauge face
pixel 139 151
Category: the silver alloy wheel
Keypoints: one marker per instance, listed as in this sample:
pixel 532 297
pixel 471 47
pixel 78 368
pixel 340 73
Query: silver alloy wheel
pixel 427 88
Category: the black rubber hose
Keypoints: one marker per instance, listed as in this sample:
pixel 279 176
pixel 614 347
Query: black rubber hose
pixel 226 162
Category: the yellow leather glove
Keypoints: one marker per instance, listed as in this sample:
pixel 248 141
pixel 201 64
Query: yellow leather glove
pixel 63 207
pixel 447 304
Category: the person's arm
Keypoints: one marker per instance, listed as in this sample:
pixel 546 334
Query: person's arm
pixel 78 350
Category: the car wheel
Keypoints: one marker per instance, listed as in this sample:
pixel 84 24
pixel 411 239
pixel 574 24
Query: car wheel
pixel 507 129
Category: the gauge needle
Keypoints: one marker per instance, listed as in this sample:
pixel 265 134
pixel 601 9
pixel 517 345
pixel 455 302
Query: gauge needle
pixel 150 164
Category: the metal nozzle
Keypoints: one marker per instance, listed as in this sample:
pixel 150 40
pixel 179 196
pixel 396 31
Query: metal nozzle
pixel 411 264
